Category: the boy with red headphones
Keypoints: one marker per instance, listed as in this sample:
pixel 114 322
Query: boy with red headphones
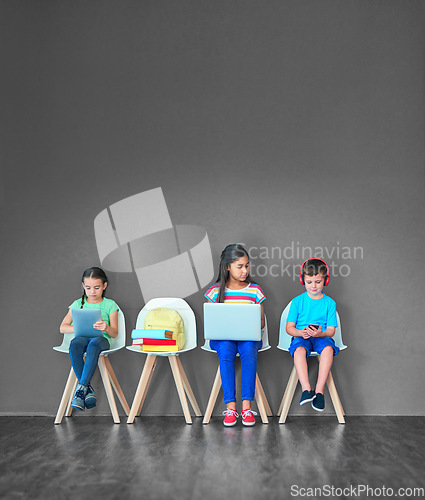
pixel 312 322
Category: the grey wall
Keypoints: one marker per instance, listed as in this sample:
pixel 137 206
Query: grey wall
pixel 273 123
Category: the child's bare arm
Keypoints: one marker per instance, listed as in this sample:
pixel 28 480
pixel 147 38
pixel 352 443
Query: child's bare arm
pixel 294 332
pixel 66 326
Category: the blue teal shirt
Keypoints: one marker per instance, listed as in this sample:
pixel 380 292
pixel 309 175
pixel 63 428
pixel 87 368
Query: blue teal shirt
pixel 305 311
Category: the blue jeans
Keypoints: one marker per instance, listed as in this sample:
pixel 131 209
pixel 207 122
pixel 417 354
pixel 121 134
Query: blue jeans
pixel 84 370
pixel 227 350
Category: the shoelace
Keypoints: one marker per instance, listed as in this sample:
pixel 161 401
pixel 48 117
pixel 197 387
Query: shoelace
pixel 80 394
pixel 246 412
pixel 230 412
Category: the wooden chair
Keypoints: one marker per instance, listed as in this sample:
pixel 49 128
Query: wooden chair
pixel 284 342
pixel 260 396
pixel 107 373
pixel 180 378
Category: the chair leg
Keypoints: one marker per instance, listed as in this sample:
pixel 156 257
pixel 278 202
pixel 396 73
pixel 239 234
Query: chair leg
pixel 116 386
pixel 188 388
pixel 142 400
pixel 288 396
pixel 142 387
pixel 66 396
pixel 108 388
pixel 69 408
pixel 263 395
pixel 213 397
pixel 180 389
pixel 260 402
pixel 335 399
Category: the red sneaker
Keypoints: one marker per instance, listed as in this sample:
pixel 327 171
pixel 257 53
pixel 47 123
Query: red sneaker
pixel 248 417
pixel 230 418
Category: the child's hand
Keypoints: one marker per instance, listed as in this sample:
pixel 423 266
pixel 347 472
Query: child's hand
pixel 100 325
pixel 315 332
pixel 306 334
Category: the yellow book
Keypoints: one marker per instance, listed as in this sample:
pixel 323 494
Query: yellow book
pixel 159 348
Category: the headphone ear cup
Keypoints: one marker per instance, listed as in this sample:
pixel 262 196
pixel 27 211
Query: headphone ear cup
pixel 328 278
pixel 301 278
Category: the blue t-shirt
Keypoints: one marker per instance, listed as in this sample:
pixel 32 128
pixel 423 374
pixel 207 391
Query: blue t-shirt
pixel 305 311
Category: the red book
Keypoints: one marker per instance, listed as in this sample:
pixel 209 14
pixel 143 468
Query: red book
pixel 158 342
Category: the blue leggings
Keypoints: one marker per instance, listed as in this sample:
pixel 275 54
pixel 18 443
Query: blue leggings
pixel 84 370
pixel 227 351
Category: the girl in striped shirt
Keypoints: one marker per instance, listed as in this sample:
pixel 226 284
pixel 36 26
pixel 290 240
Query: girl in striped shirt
pixel 234 286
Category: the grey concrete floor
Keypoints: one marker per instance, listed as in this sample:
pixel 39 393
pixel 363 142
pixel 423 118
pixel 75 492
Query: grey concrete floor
pixel 163 458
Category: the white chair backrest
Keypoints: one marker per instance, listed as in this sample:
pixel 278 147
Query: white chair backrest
pixel 179 305
pixel 285 339
pixel 119 341
pixel 116 343
pixel 264 338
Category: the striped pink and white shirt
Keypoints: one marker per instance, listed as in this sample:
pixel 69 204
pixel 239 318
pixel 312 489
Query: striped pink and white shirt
pixel 251 294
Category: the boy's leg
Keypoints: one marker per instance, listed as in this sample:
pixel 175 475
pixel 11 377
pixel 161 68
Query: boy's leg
pixel 226 350
pixel 248 353
pixel 77 348
pixel 95 346
pixel 300 362
pixel 326 360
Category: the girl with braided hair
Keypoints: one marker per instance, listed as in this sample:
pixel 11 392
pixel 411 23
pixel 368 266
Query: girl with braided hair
pixel 94 282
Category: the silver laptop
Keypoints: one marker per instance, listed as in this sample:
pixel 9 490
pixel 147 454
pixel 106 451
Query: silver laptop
pixel 232 321
pixel 83 321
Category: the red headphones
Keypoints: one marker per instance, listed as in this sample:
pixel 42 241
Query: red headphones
pixel 327 277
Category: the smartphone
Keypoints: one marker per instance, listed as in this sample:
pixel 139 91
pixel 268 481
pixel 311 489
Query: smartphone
pixel 314 326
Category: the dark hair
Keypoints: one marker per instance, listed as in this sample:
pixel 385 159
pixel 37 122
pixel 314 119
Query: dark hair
pixel 228 255
pixel 314 266
pixel 96 273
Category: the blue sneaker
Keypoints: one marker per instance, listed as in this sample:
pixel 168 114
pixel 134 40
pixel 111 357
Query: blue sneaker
pixel 306 397
pixel 90 400
pixel 319 402
pixel 79 397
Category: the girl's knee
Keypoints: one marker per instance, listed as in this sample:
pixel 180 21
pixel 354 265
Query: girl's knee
pixel 76 341
pixel 250 354
pixel 227 356
pixel 226 350
pixel 248 349
pixel 95 346
pixel 77 344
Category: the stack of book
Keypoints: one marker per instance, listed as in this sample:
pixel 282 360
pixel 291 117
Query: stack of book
pixel 154 340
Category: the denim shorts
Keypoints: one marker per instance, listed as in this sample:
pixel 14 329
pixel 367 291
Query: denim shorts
pixel 313 344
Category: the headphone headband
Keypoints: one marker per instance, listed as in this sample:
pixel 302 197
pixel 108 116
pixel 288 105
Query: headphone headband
pixel 327 277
